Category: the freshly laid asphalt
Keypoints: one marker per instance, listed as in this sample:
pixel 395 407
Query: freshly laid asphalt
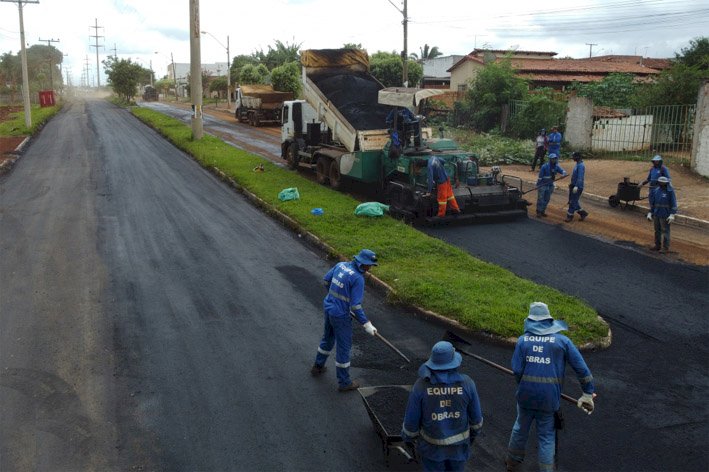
pixel 152 319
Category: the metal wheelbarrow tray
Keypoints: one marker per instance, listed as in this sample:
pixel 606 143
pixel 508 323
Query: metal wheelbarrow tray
pixel 386 405
pixel 627 192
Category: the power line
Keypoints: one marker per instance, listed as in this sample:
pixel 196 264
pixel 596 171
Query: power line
pixel 96 36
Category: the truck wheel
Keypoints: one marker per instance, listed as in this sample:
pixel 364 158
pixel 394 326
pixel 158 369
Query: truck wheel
pixel 321 170
pixel 334 175
pixel 292 155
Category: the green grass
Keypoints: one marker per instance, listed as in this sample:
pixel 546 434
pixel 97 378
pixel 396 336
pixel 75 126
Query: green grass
pixel 15 126
pixel 422 270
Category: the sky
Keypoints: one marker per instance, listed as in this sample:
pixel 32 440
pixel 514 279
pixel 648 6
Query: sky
pixel 151 31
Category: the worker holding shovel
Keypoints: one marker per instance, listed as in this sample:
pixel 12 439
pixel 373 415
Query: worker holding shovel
pixel 345 285
pixel 545 183
pixel 538 365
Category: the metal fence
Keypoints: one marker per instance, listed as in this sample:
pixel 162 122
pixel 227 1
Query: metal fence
pixel 666 129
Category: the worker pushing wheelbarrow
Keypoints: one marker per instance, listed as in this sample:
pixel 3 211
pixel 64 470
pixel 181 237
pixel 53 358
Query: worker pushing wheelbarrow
pixel 628 192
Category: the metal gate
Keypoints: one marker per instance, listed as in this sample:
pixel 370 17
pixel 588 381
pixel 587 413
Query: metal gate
pixel 665 130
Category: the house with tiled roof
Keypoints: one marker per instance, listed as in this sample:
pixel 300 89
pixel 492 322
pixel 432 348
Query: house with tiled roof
pixel 540 69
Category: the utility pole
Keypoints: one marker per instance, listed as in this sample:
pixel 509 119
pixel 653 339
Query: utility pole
pixel 590 49
pixel 228 75
pixel 195 71
pixel 405 52
pixel 86 69
pixel 96 36
pixel 174 76
pixel 23 53
pixel 51 64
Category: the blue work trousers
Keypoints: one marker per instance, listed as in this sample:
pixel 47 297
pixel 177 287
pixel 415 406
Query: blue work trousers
pixel 543 196
pixel 574 204
pixel 337 331
pixel 545 431
pixel 662 232
pixel 441 466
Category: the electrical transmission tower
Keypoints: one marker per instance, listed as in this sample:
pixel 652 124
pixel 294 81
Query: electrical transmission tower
pixel 96 45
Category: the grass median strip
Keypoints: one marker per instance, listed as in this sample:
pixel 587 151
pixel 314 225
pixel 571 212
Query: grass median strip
pixel 16 125
pixel 423 271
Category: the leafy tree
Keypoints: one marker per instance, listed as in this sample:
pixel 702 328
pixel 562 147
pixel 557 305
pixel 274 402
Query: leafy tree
pixel 696 55
pixel 43 64
pixel 353 46
pixel 542 109
pixel 10 75
pixel 164 86
pixel 426 53
pixel 388 68
pixel 218 84
pixel 615 90
pixel 494 86
pixel 124 76
pixel 286 78
pixel 238 64
pixel 282 53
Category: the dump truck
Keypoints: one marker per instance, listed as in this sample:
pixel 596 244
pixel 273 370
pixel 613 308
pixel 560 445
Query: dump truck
pixel 259 104
pixel 348 126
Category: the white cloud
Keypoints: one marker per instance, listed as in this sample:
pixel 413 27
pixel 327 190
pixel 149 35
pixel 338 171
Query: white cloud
pixel 139 28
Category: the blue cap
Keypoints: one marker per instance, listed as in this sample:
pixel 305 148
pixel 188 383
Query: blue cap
pixel 539 311
pixel 366 257
pixel 657 158
pixel 443 357
pixel 553 155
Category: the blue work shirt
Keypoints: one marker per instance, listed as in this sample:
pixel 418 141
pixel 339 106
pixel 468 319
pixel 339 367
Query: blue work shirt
pixel 655 173
pixel 547 173
pixel 436 172
pixel 404 113
pixel 578 174
pixel 539 363
pixel 444 412
pixel 554 142
pixel 663 203
pixel 346 290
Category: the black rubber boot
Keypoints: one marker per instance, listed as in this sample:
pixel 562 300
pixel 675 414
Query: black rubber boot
pixel 348 388
pixel 583 214
pixel 317 370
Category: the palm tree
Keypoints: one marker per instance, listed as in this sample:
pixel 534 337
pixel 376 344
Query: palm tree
pixel 426 53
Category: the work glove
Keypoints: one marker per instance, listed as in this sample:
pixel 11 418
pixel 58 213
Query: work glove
pixel 556 186
pixel 585 402
pixel 369 328
pixel 670 219
pixel 575 190
pixel 649 216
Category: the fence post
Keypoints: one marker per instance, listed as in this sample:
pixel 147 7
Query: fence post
pixel 700 142
pixel 579 123
pixel 504 117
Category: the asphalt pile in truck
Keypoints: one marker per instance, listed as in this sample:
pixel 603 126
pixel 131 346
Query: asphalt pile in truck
pixel 355 96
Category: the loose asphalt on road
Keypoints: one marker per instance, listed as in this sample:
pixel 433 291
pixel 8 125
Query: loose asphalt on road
pixel 150 318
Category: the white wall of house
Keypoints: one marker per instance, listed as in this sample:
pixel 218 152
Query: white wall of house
pixel 631 133
pixel 462 74
pixel 700 144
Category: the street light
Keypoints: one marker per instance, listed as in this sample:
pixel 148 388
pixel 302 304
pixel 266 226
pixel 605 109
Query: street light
pixel 228 67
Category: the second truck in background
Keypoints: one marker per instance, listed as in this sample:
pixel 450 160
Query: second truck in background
pixel 259 104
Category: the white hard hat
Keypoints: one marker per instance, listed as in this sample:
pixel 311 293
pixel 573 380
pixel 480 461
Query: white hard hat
pixel 657 158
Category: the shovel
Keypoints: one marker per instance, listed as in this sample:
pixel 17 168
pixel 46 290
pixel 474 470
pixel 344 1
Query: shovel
pixel 385 341
pixel 461 344
pixel 540 186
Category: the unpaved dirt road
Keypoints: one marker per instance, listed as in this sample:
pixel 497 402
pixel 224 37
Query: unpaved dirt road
pixel 151 319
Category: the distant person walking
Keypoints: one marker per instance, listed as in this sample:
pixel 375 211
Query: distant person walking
pixel 443 413
pixel 541 148
pixel 538 364
pixel 663 207
pixel 545 183
pixel 345 285
pixel 554 141
pixel 576 188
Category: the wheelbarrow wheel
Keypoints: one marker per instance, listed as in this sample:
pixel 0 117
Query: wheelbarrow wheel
pixel 613 201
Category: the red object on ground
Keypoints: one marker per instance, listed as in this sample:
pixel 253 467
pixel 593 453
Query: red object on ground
pixel 46 98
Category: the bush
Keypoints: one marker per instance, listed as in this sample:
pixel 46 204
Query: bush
pixel 493 149
pixel 541 110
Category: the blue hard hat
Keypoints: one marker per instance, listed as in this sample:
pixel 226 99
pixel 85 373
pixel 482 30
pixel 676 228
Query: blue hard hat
pixel 443 357
pixel 366 257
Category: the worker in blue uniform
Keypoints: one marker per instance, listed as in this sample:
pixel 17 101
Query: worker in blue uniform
pixel 554 141
pixel 657 170
pixel 403 121
pixel 663 208
pixel 443 413
pixel 345 285
pixel 538 364
pixel 545 182
pixel 576 188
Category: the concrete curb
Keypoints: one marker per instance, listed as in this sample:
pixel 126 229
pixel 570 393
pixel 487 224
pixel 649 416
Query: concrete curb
pixel 379 284
pixel 7 165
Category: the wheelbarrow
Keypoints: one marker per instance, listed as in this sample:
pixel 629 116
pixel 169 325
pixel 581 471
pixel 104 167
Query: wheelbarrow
pixel 627 192
pixel 385 406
